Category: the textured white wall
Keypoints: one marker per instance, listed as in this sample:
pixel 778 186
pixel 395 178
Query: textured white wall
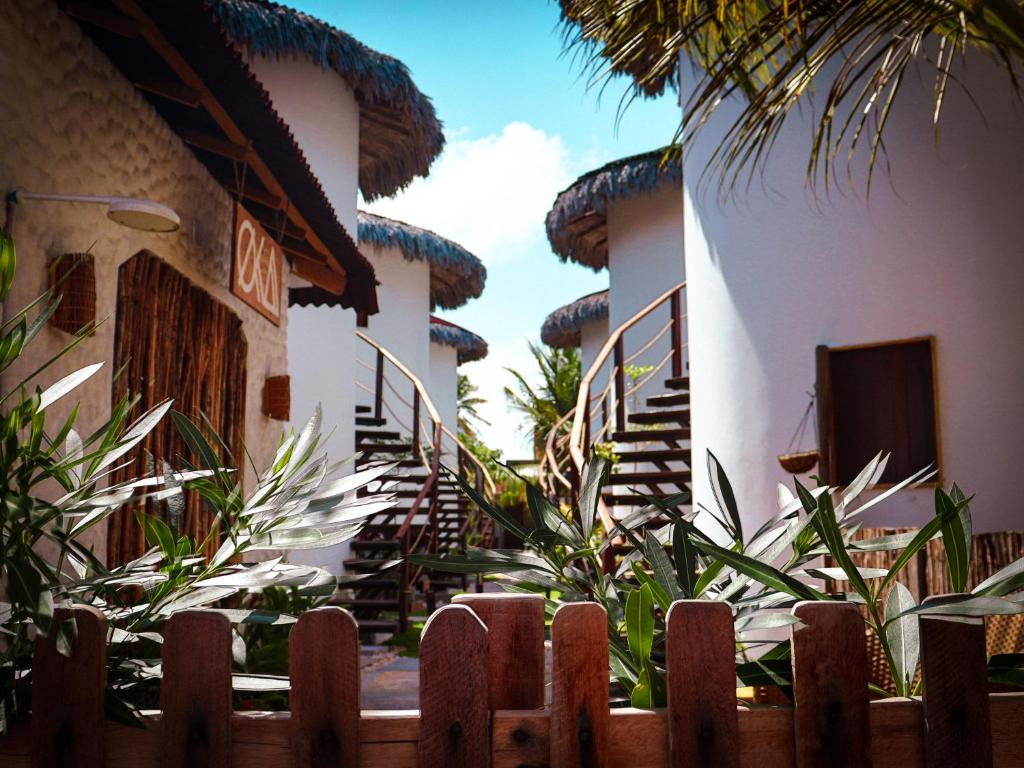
pixel 444 388
pixel 323 115
pixel 402 327
pixel 645 258
pixel 936 251
pixel 69 122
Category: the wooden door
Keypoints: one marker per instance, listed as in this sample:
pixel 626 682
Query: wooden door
pixel 174 341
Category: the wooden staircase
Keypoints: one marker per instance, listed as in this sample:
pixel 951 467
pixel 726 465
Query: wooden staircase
pixel 380 586
pixel 654 453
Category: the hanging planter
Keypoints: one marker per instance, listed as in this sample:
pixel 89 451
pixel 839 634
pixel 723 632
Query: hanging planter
pixel 799 462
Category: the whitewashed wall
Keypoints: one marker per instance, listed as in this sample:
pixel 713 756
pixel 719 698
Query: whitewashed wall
pixel 402 327
pixel 69 122
pixel 936 251
pixel 323 115
pixel 645 257
pixel 444 388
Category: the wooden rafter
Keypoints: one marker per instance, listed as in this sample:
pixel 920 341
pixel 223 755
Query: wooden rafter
pixel 149 32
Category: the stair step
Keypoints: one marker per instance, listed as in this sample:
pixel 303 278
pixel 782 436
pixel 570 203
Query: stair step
pixel 374 583
pixel 370 421
pixel 377 544
pixel 364 564
pixel 678 382
pixel 375 434
pixel 411 493
pixel 363 409
pixel 651 435
pixel 663 454
pixel 669 399
pixel 648 478
pixel 627 500
pixel 383 448
pixel 679 416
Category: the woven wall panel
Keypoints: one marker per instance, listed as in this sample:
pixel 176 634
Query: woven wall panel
pixel 73 277
pixel 178 342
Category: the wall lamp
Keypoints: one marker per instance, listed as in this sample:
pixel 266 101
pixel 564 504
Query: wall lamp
pixel 128 211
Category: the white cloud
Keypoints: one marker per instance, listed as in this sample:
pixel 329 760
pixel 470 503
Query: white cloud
pixel 488 194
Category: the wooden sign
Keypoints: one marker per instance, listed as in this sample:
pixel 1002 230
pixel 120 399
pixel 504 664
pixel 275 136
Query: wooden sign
pixel 256 267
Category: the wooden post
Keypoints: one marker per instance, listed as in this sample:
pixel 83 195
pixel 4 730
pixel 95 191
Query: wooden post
pixel 831 723
pixel 580 719
pixel 454 722
pixel 324 670
pixel 378 391
pixel 415 423
pixel 701 656
pixel 620 386
pixel 823 395
pixel 68 692
pixel 515 647
pixel 195 692
pixel 677 335
pixel 958 729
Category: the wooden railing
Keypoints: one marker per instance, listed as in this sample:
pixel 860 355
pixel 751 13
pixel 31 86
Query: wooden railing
pixel 427 435
pixel 568 443
pixel 482 698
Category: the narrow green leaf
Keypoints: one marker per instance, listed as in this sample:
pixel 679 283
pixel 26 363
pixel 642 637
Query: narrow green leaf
pixel 661 566
pixel 661 597
pixel 640 623
pixel 686 560
pixel 902 634
pixel 953 540
pixel 724 496
pixel 760 572
pixel 595 474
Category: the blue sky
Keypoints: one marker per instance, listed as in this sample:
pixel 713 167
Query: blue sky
pixel 521 124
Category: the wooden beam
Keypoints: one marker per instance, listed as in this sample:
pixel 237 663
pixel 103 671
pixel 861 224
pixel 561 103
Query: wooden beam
pixel 168 89
pixel 319 275
pixel 162 47
pixel 258 196
pixel 204 141
pixel 274 227
pixel 103 18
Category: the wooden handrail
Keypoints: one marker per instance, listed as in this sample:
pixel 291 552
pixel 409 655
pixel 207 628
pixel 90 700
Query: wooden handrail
pixel 427 402
pixel 488 480
pixel 580 418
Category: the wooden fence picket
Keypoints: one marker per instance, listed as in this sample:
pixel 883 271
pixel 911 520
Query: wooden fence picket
pixel 454 727
pixel 958 729
pixel 831 720
pixel 323 661
pixel 195 692
pixel 515 647
pixel 701 659
pixel 68 693
pixel 580 720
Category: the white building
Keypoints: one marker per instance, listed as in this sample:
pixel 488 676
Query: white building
pixel 933 257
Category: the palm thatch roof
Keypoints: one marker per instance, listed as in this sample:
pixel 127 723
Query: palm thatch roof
pixel 456 275
pixel 563 327
pixel 399 133
pixel 577 223
pixel 470 346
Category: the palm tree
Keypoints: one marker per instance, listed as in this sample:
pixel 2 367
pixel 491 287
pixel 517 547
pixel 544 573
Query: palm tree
pixel 469 416
pixel 853 54
pixel 544 405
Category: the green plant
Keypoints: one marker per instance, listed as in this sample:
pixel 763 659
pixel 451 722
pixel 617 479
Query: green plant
pixel 543 406
pixel 708 556
pixel 55 488
pixel 468 401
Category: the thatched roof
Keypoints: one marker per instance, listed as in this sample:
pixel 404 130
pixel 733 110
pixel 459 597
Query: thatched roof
pixel 577 224
pixel 456 275
pixel 563 327
pixel 470 346
pixel 399 133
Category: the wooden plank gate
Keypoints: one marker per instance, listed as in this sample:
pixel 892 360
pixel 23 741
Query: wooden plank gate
pixel 482 683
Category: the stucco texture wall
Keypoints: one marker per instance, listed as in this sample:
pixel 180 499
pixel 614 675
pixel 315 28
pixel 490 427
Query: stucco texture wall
pixel 70 123
pixel 936 250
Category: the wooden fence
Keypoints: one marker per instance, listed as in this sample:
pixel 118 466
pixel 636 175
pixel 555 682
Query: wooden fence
pixel 482 699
